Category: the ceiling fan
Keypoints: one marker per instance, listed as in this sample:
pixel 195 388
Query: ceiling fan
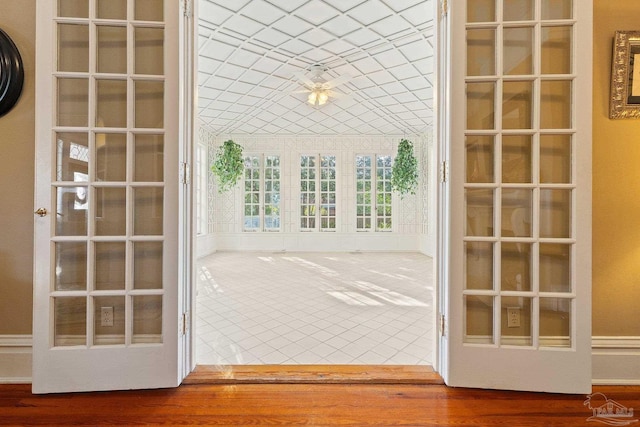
pixel 319 88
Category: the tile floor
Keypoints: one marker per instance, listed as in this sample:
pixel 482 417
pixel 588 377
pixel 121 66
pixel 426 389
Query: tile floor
pixel 314 308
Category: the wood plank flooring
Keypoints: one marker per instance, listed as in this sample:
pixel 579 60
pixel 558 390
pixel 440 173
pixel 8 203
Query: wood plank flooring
pixel 304 404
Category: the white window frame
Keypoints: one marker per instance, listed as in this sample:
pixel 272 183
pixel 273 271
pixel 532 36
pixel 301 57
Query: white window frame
pixel 201 190
pixel 373 205
pixel 316 214
pixel 262 193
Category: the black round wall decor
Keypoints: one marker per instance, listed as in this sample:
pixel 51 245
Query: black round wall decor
pixel 11 74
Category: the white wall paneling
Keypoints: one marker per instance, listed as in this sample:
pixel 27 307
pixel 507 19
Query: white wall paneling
pixel 412 228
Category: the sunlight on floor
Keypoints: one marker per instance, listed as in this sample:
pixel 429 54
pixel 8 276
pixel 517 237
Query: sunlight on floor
pixel 315 308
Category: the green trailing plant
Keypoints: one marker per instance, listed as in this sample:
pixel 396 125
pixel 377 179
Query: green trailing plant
pixel 404 173
pixel 228 165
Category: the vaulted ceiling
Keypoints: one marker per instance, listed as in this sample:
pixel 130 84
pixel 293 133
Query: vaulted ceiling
pixel 252 54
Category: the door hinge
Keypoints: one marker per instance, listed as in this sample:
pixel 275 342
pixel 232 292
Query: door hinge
pixel 444 171
pixel 444 9
pixel 187 8
pixel 184 323
pixel 442 325
pixel 185 173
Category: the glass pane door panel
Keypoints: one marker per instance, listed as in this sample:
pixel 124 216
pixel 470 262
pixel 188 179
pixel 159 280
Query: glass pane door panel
pixel 481 52
pixel 481 105
pixel 557 9
pixel 555 322
pixel 517 285
pixel 149 51
pixel 481 10
pixel 149 10
pixel 73 8
pixel 111 108
pixel 555 213
pixel 111 9
pixel 71 212
pixel 555 159
pixel 149 158
pixel 479 158
pixel 518 50
pixel 516 332
pixel 73 47
pixel 109 266
pixel 109 320
pixel 111 157
pixel 70 321
pixel 147 265
pixel 147 319
pixel 516 265
pixel 72 156
pixel 516 158
pixel 479 319
pixel 556 50
pixel 479 208
pixel 516 212
pixel 103 273
pixel 70 266
pixel 555 267
pixel 149 104
pixel 111 219
pixel 518 10
pixel 479 265
pixel 147 211
pixel 73 102
pixel 555 104
pixel 517 105
pixel 111 49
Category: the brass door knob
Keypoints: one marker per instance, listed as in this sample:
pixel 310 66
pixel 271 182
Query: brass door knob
pixel 41 212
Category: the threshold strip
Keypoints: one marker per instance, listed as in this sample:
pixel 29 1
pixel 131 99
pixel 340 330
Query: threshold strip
pixel 314 374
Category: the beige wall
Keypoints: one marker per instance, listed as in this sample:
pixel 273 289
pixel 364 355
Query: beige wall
pixel 616 184
pixel 17 18
pixel 616 187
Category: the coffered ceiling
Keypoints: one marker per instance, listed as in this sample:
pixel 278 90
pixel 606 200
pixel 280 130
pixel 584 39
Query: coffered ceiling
pixel 251 54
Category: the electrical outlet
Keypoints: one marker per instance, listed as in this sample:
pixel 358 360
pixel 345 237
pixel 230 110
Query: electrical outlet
pixel 513 317
pixel 106 314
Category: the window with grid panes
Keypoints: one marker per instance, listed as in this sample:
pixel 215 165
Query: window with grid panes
pixel 261 193
pixel 318 192
pixel 373 192
pixel 201 189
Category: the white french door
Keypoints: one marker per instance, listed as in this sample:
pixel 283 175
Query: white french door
pixel 519 277
pixel 107 277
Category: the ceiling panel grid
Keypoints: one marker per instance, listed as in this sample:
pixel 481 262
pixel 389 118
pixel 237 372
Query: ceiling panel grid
pixel 252 55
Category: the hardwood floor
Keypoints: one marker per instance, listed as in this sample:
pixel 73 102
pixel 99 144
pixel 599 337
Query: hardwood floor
pixel 305 404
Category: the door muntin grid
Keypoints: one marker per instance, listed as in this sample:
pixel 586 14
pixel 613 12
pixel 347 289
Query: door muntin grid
pixel 519 239
pixel 108 183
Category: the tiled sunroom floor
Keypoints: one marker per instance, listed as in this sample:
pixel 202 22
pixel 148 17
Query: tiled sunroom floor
pixel 314 308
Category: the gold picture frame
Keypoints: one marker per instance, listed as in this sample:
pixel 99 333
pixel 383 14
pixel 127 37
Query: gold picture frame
pixel 625 78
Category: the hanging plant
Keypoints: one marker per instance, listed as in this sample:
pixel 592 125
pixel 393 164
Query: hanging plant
pixel 228 166
pixel 404 174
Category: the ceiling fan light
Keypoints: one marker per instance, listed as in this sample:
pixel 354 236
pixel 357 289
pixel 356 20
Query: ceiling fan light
pixel 313 96
pixel 322 98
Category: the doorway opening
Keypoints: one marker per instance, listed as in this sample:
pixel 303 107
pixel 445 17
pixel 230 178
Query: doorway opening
pixel 325 288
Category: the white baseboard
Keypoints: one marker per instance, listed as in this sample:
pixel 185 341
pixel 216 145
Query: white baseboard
pixel 616 360
pixel 317 242
pixel 15 359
